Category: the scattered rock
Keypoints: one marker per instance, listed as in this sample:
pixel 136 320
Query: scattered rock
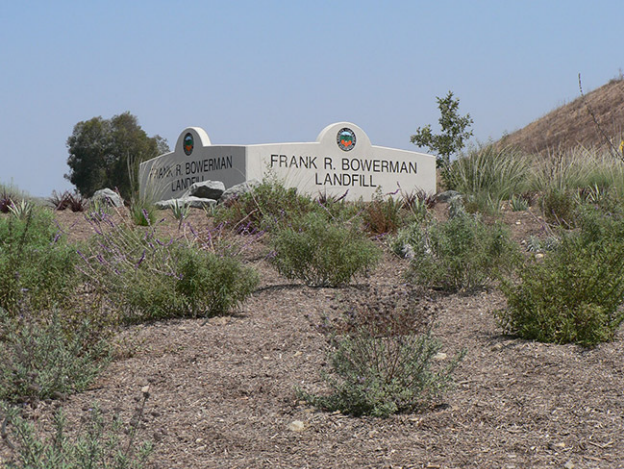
pixel 206 190
pixel 296 426
pixel 191 201
pixel 108 196
pixel 239 189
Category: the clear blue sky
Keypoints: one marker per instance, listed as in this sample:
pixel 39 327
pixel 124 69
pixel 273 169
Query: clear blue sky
pixel 279 71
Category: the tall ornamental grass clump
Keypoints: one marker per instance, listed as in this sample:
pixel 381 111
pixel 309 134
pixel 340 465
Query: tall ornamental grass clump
pixel 36 264
pixel 574 295
pixel 322 253
pixel 569 179
pixel 488 175
pixel 382 362
pixel 145 278
pixel 463 253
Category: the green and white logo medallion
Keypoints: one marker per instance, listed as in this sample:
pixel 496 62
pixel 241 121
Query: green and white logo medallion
pixel 346 139
pixel 188 144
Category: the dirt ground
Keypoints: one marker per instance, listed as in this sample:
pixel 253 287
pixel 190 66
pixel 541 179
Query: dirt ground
pixel 222 390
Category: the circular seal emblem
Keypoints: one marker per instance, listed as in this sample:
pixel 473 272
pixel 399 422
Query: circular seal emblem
pixel 188 144
pixel 346 139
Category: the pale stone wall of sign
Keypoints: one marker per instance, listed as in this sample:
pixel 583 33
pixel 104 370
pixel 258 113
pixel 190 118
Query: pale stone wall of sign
pixel 326 167
pixel 168 176
pixel 341 160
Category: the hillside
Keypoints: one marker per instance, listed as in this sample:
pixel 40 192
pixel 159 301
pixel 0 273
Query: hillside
pixel 572 125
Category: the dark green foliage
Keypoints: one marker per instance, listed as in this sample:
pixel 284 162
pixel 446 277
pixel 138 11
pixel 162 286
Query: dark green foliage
pixel 265 207
pixel 322 253
pixel 42 359
pixel 107 152
pixel 454 131
pixel 97 444
pixel 575 293
pixel 36 265
pixel 463 253
pixel 382 363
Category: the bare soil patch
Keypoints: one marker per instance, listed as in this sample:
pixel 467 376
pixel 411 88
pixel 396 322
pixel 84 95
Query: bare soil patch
pixel 222 389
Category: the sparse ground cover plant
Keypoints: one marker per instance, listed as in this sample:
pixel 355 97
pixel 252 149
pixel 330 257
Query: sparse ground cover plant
pixel 574 294
pixel 322 253
pixel 42 358
pixel 98 444
pixel 146 278
pixel 36 264
pixel 382 362
pixel 463 253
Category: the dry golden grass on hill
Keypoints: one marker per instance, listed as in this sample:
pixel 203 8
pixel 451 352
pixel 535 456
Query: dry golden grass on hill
pixel 572 124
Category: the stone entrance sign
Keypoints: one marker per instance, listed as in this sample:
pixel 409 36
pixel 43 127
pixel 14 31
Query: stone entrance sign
pixel 341 160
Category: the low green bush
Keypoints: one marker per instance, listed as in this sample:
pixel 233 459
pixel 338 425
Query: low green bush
pixel 36 264
pixel 266 207
pixel 146 278
pixel 574 295
pixel 40 358
pixel 322 253
pixel 462 253
pixel 382 365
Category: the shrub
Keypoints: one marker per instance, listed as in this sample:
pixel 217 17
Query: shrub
pixel 36 264
pixel 558 206
pixel 382 215
pixel 266 207
pixel 97 444
pixel 147 278
pixel 6 200
pixel 322 253
pixel 575 293
pixel 41 359
pixel 381 364
pixel 462 253
pixel 75 202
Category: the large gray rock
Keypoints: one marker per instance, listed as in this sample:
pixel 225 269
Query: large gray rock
pixel 238 190
pixel 191 201
pixel 206 190
pixel 108 196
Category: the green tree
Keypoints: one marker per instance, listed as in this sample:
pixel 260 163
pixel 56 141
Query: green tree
pixel 454 131
pixel 107 153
